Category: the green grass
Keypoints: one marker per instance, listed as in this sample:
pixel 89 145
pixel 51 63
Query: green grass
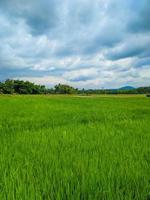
pixel 71 148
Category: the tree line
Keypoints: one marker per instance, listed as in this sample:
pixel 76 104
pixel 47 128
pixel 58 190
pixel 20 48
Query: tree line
pixel 25 87
pixel 140 90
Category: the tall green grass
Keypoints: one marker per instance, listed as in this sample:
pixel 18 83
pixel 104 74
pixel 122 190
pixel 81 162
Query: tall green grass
pixel 71 148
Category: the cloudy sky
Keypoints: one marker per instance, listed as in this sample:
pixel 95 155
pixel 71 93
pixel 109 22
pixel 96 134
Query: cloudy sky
pixel 84 43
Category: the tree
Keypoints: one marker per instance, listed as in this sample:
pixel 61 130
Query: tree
pixel 64 89
pixel 26 87
pixel 8 87
pixel 1 88
pixel 143 90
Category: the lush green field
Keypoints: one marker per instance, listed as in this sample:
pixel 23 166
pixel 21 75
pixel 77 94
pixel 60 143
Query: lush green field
pixel 70 148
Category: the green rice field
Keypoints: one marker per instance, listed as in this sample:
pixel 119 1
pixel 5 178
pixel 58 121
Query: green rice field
pixel 74 148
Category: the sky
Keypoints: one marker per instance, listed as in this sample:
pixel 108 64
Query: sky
pixel 83 43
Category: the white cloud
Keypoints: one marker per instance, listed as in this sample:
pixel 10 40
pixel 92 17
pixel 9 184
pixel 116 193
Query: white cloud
pixel 87 44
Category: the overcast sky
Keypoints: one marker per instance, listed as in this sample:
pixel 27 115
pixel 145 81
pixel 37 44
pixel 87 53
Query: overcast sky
pixel 84 43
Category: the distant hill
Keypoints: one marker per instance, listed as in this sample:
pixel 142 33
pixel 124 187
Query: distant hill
pixel 126 88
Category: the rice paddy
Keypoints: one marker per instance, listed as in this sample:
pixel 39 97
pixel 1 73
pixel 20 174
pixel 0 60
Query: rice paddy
pixel 71 148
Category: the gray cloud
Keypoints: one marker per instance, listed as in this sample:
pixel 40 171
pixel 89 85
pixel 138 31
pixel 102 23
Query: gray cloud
pixel 80 42
pixel 40 16
pixel 140 17
pixel 135 45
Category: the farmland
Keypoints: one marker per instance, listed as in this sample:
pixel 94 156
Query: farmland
pixel 71 147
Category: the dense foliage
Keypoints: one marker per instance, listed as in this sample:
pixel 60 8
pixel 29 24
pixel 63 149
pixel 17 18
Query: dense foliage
pixel 65 89
pixel 26 87
pixel 21 87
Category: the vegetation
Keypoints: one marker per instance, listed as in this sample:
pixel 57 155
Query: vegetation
pixel 73 148
pixel 26 87
pixel 140 90
pixel 21 87
pixel 64 89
